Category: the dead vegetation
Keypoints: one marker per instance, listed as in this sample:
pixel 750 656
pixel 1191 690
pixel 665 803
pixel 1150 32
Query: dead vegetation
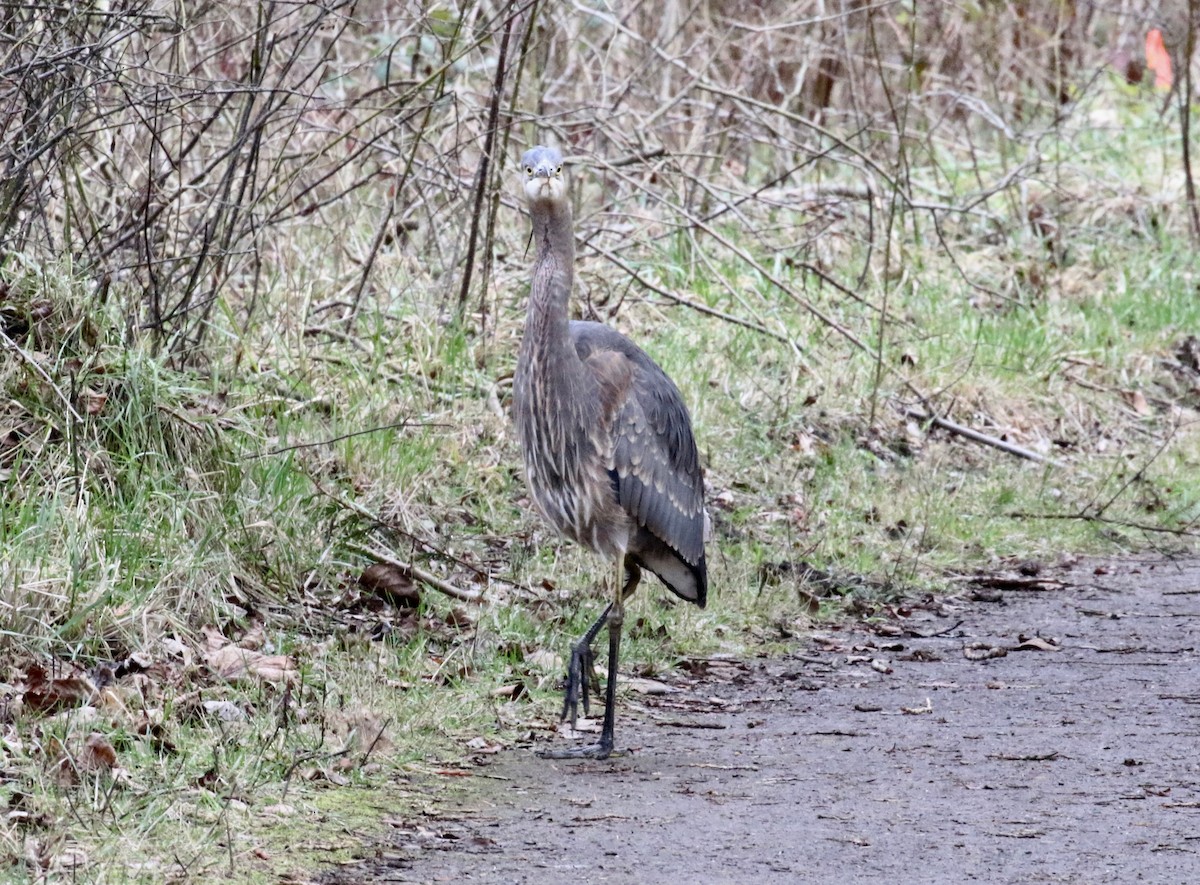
pixel 189 162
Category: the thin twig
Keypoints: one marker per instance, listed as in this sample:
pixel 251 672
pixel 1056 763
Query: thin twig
pixel 985 439
pixel 417 573
pixel 398 425
pixel 33 364
pixel 485 161
pixel 686 302
pixel 1084 516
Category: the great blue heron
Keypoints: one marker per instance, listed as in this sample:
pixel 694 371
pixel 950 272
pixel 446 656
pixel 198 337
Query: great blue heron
pixel 610 459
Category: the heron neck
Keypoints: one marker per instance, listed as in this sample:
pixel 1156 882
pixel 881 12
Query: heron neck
pixel 553 273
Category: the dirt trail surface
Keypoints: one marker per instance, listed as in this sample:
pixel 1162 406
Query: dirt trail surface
pixel 910 752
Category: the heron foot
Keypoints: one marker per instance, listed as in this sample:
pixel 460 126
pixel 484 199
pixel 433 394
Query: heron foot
pixel 581 676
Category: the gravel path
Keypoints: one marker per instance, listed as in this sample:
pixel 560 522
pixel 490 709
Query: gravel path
pixel 877 755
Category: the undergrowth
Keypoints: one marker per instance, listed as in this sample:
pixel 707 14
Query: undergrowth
pixel 195 657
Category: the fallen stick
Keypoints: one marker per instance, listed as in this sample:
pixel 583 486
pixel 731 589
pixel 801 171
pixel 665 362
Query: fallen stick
pixel 413 571
pixel 418 574
pixel 976 436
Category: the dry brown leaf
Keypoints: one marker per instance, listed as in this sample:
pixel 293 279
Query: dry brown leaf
pixel 544 660
pixel 93 401
pixel 512 692
pixel 253 639
pixel 42 693
pixel 458 618
pixel 484 746
pixel 39 853
pixel 391 584
pixel 71 858
pixel 236 664
pixel 1037 643
pixel 1136 400
pixel 724 499
pixel 214 638
pixel 118 700
pixel 98 754
pixel 982 651
pixel 647 686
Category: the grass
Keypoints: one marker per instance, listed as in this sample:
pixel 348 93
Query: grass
pixel 173 510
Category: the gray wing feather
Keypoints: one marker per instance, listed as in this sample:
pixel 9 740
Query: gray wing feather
pixel 654 452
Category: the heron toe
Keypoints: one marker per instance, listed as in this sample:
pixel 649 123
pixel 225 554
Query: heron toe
pixel 581 676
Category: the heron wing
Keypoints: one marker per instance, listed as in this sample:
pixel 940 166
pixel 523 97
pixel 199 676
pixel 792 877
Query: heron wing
pixel 654 456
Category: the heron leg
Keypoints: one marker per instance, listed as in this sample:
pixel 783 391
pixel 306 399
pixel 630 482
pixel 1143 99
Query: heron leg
pixel 581 667
pixel 616 620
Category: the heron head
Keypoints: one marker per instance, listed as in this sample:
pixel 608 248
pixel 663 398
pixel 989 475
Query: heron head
pixel 542 173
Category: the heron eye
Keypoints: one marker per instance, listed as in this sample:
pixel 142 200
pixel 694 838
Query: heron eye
pixel 529 170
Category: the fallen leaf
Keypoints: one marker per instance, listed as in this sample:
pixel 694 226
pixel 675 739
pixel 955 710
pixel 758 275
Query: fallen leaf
pixel 39 853
pixel 173 648
pixel 648 686
pixel 45 694
pixel 1037 643
pixel 1158 59
pixel 458 618
pixel 982 651
pixel 236 664
pixel 544 660
pixel 71 858
pixel 585 725
pixel 512 692
pixel 483 745
pixel 390 584
pixel 93 401
pixel 1136 400
pixel 226 711
pixel 98 754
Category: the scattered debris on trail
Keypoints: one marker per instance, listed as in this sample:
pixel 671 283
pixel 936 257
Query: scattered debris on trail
pixel 1069 755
